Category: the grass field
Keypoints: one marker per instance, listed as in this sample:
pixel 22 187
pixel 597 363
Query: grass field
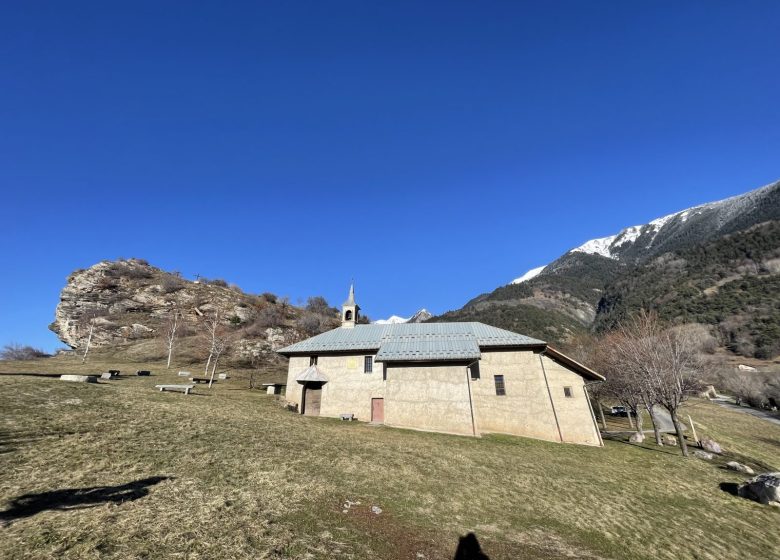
pixel 120 470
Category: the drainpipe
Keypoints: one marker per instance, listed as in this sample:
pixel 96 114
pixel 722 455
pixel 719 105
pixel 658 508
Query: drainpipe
pixel 549 393
pixel 590 406
pixel 471 403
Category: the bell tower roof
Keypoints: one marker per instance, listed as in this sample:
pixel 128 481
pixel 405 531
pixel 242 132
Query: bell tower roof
pixel 350 309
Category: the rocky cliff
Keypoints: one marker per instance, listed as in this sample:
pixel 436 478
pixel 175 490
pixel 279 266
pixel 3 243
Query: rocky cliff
pixel 129 302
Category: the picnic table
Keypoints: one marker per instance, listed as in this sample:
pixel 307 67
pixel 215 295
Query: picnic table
pixel 201 380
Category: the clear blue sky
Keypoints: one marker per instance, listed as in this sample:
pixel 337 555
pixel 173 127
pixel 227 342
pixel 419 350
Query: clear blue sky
pixel 430 150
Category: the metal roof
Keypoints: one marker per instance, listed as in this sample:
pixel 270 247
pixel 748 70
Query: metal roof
pixel 311 373
pixel 413 341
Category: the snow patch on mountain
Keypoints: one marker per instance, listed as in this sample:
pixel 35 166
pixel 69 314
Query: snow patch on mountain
pixel 600 246
pixel 422 315
pixel 533 273
pixel 392 320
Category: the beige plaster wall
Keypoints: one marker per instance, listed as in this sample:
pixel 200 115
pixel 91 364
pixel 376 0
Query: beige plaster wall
pixel 428 397
pixel 348 390
pixel 436 396
pixel 574 413
pixel 526 408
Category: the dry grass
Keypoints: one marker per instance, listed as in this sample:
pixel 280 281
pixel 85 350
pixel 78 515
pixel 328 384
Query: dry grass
pixel 250 480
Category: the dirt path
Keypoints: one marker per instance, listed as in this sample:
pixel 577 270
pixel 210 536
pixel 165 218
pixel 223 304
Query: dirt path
pixel 725 402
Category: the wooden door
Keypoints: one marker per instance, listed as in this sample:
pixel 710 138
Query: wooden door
pixel 378 411
pixel 311 401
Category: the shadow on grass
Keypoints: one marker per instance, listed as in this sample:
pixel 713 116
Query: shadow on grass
pixel 666 449
pixel 469 549
pixel 77 498
pixel 730 488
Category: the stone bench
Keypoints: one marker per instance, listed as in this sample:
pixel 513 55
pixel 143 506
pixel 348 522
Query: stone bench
pixel 79 378
pixel 108 375
pixel 180 388
pixel 349 417
pixel 114 371
pixel 222 376
pixel 185 374
pixel 198 380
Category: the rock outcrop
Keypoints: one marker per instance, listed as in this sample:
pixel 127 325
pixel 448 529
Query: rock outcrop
pixel 128 304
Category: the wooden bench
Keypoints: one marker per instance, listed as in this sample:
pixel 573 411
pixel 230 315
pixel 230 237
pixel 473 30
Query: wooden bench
pixel 349 417
pixel 114 371
pixel 200 380
pixel 143 372
pixel 180 388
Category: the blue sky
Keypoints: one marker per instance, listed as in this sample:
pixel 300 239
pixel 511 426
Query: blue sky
pixel 430 150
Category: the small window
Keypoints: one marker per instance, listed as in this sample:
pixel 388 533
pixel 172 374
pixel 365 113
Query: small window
pixel 567 392
pixel 368 364
pixel 348 315
pixel 500 388
pixel 474 371
pixel 313 361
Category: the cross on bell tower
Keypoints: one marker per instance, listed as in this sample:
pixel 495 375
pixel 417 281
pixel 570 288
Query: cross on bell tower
pixel 350 309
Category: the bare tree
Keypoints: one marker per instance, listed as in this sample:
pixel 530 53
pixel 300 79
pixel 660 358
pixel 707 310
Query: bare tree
pixel 17 352
pixel 218 339
pixel 663 362
pixel 170 329
pixel 88 323
pixel 211 330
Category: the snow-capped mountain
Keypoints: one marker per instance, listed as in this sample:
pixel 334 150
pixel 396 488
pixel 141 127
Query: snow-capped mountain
pixel 554 301
pixel 684 228
pixel 533 273
pixel 419 317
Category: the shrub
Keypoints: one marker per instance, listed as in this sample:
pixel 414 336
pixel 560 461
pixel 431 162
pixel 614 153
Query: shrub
pixel 269 297
pixel 309 323
pixel 270 317
pixel 18 352
pixel 171 284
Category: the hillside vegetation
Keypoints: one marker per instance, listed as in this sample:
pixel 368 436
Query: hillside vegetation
pixel 120 470
pixel 732 283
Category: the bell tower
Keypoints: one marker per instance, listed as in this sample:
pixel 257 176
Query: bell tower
pixel 350 310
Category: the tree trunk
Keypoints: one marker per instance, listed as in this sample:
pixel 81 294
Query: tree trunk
pixel 680 435
pixel 89 340
pixel 630 420
pixel 170 353
pixel 601 415
pixel 208 363
pixel 639 422
pixel 651 412
pixel 213 370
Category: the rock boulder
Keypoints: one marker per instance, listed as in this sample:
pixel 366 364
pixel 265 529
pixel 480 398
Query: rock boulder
pixel 764 488
pixel 739 467
pixel 710 445
pixel 637 437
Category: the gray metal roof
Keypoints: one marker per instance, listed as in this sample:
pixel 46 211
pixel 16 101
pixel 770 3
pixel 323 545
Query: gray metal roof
pixel 311 373
pixel 413 341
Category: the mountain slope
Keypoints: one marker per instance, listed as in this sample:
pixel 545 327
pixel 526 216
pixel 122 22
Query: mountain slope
pixel 555 301
pixel 732 283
